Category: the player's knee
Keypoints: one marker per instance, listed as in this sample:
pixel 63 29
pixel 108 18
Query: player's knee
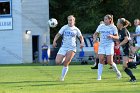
pixel 57 62
pixel 124 67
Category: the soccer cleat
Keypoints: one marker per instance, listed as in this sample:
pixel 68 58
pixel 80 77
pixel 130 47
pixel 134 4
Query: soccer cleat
pixel 61 79
pixel 99 78
pixel 133 79
pixel 119 75
pixel 94 67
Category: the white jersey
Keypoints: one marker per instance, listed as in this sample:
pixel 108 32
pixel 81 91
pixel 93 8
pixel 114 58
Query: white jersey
pixel 69 36
pixel 137 31
pixel 104 31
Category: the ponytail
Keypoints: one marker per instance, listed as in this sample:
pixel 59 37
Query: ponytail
pixel 124 22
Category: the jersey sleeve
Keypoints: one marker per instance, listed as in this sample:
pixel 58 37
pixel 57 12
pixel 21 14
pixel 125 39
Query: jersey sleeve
pixel 78 32
pixel 138 30
pixel 115 30
pixel 62 30
pixel 98 28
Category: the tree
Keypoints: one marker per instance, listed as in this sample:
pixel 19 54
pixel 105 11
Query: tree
pixel 89 13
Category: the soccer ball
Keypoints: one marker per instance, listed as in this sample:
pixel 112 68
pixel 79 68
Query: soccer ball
pixel 52 22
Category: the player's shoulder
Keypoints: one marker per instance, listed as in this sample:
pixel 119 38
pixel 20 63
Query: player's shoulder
pixel 101 25
pixel 138 27
pixel 65 26
pixel 113 26
pixel 76 28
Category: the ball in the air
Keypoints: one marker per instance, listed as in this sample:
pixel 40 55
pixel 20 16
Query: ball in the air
pixel 52 22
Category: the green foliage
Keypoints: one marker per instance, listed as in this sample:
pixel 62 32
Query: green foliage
pixel 89 13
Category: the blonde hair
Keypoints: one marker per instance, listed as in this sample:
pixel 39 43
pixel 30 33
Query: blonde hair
pixel 71 16
pixel 137 20
pixel 110 17
pixel 124 22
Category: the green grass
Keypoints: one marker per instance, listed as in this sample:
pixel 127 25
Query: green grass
pixel 80 79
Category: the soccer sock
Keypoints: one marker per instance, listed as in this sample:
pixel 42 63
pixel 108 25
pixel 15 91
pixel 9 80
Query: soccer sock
pixel 100 69
pixel 115 67
pixel 97 62
pixel 64 72
pixel 129 72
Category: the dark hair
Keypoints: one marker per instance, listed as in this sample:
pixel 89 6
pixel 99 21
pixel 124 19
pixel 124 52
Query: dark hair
pixel 124 22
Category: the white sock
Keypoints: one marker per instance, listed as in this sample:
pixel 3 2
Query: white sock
pixel 64 72
pixel 115 67
pixel 100 70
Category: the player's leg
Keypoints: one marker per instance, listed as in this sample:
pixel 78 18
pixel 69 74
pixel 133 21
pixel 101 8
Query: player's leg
pixel 100 65
pixel 134 49
pixel 127 70
pixel 60 55
pixel 59 58
pixel 110 52
pixel 114 66
pixel 68 58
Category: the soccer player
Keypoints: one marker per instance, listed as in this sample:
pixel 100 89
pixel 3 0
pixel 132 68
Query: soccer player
pixel 108 31
pixel 125 43
pixel 137 34
pixel 69 33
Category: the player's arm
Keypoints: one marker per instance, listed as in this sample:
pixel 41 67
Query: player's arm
pixel 95 35
pixel 115 36
pixel 82 41
pixel 134 35
pixel 126 39
pixel 55 39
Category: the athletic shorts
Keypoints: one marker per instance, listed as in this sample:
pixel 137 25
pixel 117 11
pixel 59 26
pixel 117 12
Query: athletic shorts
pixel 63 51
pixel 106 50
pixel 44 57
pixel 126 50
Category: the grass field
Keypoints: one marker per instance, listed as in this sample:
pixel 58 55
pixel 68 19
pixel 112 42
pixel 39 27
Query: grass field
pixel 80 79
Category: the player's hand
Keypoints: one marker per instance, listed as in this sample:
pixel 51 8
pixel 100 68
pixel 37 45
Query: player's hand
pixel 81 46
pixel 54 44
pixel 110 36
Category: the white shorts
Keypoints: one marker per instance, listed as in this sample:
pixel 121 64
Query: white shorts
pixel 63 51
pixel 106 50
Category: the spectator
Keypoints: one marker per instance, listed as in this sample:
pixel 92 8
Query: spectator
pixel 117 53
pixel 45 54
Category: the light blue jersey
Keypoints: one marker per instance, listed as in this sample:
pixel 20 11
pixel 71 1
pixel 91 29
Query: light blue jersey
pixel 105 31
pixel 69 36
pixel 137 31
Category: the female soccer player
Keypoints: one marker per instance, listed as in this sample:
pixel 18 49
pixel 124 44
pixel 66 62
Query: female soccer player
pixel 108 31
pixel 137 34
pixel 137 31
pixel 68 47
pixel 124 42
